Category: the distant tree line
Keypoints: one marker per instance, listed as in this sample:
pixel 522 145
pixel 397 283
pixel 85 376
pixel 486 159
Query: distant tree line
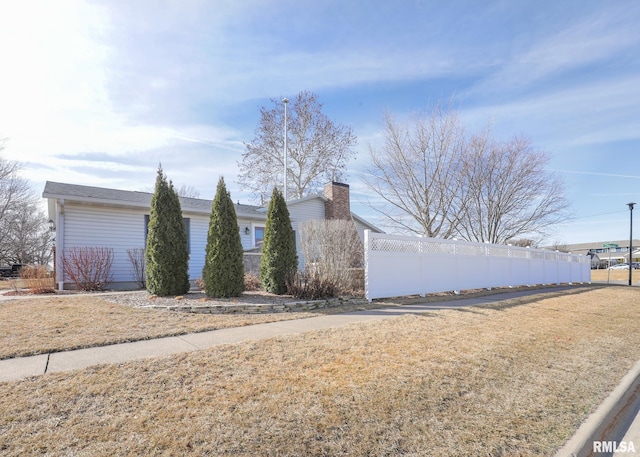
pixel 25 237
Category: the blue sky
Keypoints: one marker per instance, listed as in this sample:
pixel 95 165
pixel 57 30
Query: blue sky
pixel 98 93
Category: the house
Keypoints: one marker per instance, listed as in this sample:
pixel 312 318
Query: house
pixel 95 216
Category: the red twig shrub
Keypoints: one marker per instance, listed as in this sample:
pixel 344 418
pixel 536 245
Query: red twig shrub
pixel 138 266
pixel 88 268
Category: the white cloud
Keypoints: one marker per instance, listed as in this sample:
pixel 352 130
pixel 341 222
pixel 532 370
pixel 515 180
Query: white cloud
pixel 598 112
pixel 597 37
pixel 52 78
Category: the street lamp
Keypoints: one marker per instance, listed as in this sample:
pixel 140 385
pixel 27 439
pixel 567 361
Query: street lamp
pixel 285 101
pixel 630 205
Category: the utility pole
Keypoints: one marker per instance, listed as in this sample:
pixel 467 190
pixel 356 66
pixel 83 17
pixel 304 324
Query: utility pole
pixel 631 205
pixel 284 190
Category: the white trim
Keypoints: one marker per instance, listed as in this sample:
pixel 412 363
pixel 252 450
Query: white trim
pixel 59 233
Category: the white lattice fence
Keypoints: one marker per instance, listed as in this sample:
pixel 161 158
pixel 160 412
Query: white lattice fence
pixel 400 265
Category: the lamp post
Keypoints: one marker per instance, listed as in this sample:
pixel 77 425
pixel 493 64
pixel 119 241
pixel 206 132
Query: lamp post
pixel 631 205
pixel 284 190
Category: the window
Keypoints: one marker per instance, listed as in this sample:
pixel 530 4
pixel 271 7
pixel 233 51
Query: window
pixel 259 232
pixel 187 227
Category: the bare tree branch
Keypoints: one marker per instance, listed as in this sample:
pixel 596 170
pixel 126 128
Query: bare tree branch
pixel 436 180
pixel 318 149
pixel 510 193
pixel 24 234
pixel 415 172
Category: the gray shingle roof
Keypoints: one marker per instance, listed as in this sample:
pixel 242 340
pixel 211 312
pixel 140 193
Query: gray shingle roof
pixel 131 198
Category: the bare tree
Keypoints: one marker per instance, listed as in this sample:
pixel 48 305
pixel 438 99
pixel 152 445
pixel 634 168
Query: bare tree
pixel 13 188
pixel 509 192
pixel 415 172
pixel 318 149
pixel 24 235
pixel 523 242
pixel 185 190
pixel 188 191
pixel 27 238
pixel 434 179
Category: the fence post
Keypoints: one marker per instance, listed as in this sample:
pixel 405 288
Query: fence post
pixel 367 248
pixel 487 251
pixel 528 266
pixel 510 257
pixel 422 261
pixel 456 253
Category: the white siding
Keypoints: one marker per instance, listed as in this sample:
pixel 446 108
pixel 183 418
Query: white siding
pixel 199 231
pixel 118 229
pixel 246 239
pixel 360 228
pixel 306 210
pixel 123 229
pixel 312 209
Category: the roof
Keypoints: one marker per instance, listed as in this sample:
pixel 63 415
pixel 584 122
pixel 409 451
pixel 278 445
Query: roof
pixel 599 245
pixel 101 195
pixel 324 198
pixel 136 199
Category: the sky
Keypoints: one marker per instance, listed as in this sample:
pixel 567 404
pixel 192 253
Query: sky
pixel 100 92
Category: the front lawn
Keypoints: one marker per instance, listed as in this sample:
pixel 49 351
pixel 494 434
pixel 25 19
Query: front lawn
pixel 516 378
pixel 55 323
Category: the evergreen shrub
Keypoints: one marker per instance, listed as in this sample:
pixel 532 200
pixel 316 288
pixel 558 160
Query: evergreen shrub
pixel 279 259
pixel 223 272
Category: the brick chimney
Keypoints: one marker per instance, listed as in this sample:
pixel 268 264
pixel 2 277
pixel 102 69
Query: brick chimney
pixel 338 205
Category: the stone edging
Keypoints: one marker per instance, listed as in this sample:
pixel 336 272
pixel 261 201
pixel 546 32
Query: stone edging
pixel 299 306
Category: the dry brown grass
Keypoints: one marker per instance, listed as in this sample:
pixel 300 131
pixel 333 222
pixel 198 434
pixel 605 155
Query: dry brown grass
pixel 38 279
pixel 55 323
pixel 512 379
pixel 11 284
pixel 614 275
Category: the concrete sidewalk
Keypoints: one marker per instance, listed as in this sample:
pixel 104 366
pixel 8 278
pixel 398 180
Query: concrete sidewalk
pixel 23 367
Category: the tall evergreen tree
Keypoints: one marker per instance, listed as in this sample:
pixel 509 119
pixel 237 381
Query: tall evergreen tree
pixel 279 258
pixel 167 250
pixel 223 272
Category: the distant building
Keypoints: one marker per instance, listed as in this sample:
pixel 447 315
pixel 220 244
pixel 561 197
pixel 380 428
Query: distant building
pixel 606 253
